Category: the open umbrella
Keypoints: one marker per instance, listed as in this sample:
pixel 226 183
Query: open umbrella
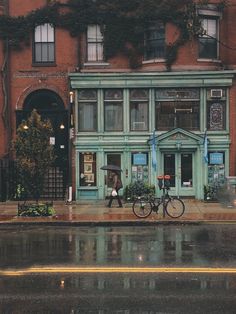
pixel 111 167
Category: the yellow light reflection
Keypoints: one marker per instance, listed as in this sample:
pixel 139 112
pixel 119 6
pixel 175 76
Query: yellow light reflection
pixel 58 270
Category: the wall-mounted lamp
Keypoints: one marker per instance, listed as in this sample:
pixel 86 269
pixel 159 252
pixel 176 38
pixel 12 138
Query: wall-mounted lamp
pixel 62 127
pixel 25 127
pixel 71 97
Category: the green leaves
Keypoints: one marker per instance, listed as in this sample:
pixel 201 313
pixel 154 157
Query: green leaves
pixel 34 154
pixel 125 23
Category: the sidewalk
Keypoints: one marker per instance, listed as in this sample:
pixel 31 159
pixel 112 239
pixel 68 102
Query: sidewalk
pixel 96 213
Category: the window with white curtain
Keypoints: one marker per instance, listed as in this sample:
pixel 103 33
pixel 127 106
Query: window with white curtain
pixel 139 100
pixel 44 43
pixel 208 43
pixel 87 110
pixel 113 110
pixel 94 43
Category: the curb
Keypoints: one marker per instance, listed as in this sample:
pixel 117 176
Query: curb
pixel 116 223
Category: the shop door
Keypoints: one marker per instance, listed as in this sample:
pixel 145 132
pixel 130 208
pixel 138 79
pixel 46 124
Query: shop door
pixel 180 168
pixel 112 159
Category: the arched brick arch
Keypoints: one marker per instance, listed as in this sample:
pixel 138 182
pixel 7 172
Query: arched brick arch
pixel 36 87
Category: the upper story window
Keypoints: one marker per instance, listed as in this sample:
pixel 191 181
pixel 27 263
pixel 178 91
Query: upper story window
pixel 94 43
pixel 87 110
pixel 44 44
pixel 139 100
pixel 113 110
pixel 177 108
pixel 154 41
pixel 208 43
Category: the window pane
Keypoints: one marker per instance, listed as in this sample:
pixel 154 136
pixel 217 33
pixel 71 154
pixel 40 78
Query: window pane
pixel 91 32
pixel 139 116
pixel 92 53
pixel 113 117
pixel 207 48
pixel 44 45
pixel 50 52
pixel 50 33
pixel 94 43
pixel 155 41
pixel 216 116
pixel 113 94
pixel 37 34
pixel 208 42
pixel 44 33
pixel 100 52
pixel 172 114
pixel 88 175
pixel 87 117
pixel 87 94
pixel 45 52
pixel 38 53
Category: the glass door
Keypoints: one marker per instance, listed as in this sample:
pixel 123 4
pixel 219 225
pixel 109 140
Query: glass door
pixel 180 168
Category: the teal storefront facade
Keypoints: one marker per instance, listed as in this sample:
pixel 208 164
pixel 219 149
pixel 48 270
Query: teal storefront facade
pixel 116 113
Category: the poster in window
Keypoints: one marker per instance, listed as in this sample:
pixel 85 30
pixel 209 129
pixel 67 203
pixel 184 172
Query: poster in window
pixel 89 177
pixel 88 167
pixel 88 158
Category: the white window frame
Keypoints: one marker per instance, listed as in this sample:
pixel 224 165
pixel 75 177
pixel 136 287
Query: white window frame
pixel 44 43
pixel 95 43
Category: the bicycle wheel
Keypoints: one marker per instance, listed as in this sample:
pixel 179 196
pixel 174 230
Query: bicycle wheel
pixel 175 208
pixel 142 208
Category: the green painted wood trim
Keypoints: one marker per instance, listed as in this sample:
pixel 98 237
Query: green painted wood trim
pixel 154 79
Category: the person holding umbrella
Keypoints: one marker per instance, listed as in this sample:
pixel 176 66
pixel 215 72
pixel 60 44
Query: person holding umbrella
pixel 117 185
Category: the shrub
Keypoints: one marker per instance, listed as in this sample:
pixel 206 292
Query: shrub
pixel 138 188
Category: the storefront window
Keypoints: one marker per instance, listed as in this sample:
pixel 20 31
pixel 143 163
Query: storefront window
pixel 139 167
pixel 139 109
pixel 87 169
pixel 113 110
pixel 177 108
pixel 216 168
pixel 87 110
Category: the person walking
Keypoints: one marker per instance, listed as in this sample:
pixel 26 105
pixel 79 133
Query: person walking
pixel 116 186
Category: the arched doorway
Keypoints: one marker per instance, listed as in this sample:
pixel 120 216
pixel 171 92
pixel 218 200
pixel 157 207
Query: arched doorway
pixel 50 106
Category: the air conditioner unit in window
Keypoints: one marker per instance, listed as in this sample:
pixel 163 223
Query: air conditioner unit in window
pixel 216 93
pixel 138 126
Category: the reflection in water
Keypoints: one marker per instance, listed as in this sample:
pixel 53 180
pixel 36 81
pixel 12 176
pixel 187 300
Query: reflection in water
pixel 151 246
pixel 123 293
pixel 118 293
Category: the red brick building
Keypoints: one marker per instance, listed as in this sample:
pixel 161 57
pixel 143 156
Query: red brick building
pixel 116 106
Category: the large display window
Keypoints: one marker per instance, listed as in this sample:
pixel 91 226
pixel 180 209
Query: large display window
pixel 139 170
pixel 87 169
pixel 216 168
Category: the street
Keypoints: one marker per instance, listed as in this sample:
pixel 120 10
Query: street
pixel 161 269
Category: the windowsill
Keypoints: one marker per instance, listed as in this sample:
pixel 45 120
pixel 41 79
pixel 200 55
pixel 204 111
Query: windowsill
pixel 161 60
pixel 88 187
pixel 96 64
pixel 209 60
pixel 44 64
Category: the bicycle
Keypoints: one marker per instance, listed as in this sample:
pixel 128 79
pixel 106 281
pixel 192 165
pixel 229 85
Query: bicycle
pixel 172 206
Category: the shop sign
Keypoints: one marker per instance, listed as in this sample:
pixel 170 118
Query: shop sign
pixel 216 158
pixel 139 159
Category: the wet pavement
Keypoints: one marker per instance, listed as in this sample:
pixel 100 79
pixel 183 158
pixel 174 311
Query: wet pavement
pixel 97 213
pixel 120 270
